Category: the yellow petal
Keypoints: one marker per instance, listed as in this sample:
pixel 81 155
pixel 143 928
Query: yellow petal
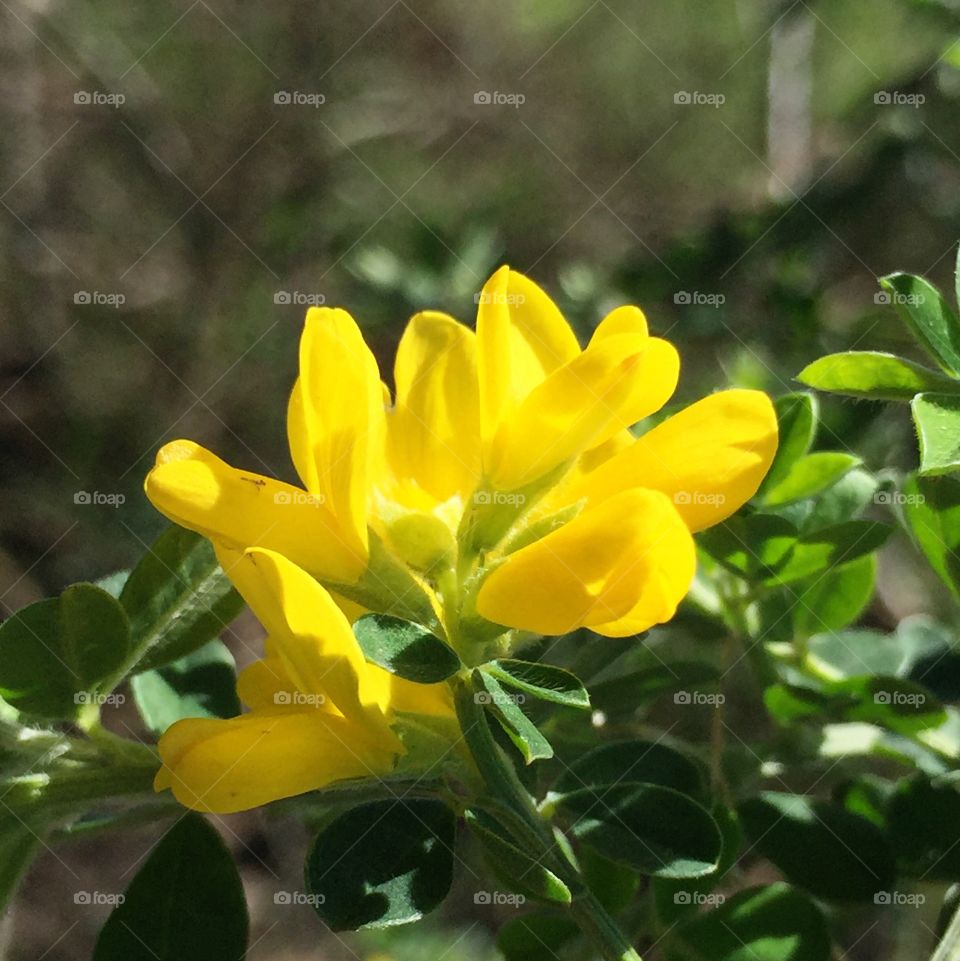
pixel 434 430
pixel 433 700
pixel 622 320
pixel 223 766
pixel 335 420
pixel 197 490
pixel 709 459
pixel 616 381
pixel 309 634
pixel 266 685
pixel 609 562
pixel 521 338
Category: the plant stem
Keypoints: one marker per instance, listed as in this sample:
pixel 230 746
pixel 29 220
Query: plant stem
pixel 532 830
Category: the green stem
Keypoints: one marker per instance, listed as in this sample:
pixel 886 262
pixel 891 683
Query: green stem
pixel 532 830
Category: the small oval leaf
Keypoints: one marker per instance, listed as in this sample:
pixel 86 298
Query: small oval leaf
pixel 405 649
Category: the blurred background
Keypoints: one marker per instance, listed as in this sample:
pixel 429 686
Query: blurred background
pixel 180 180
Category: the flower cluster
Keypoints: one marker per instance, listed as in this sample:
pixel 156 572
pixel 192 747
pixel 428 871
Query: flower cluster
pixel 497 493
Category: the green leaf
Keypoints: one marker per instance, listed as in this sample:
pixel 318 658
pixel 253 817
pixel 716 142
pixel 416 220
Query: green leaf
pixel 754 547
pixel 650 762
pixel 829 547
pixel 536 937
pixel 202 684
pixel 924 827
pixel 851 653
pixel 177 598
pixel 542 681
pixel 383 863
pixel 873 375
pixel 505 707
pixel 624 696
pixel 770 923
pixel 923 309
pixel 819 845
pixel 54 653
pixel 932 511
pixel 937 420
pixel 841 502
pixel 831 603
pixel 614 884
pixel 405 649
pixel 809 476
pixel 515 867
pixel 654 829
pixel 797 425
pixel 185 904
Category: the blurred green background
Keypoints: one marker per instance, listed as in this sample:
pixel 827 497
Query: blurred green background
pixel 178 181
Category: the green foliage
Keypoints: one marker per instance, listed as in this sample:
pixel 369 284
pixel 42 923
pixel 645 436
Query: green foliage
pixel 542 681
pixel 380 864
pixel 654 829
pixel 201 684
pixel 405 649
pixel 177 599
pixel 55 654
pixel 186 903
pixel 874 376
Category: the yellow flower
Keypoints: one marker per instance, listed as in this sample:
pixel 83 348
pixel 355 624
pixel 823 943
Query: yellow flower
pixel 319 712
pixel 500 493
